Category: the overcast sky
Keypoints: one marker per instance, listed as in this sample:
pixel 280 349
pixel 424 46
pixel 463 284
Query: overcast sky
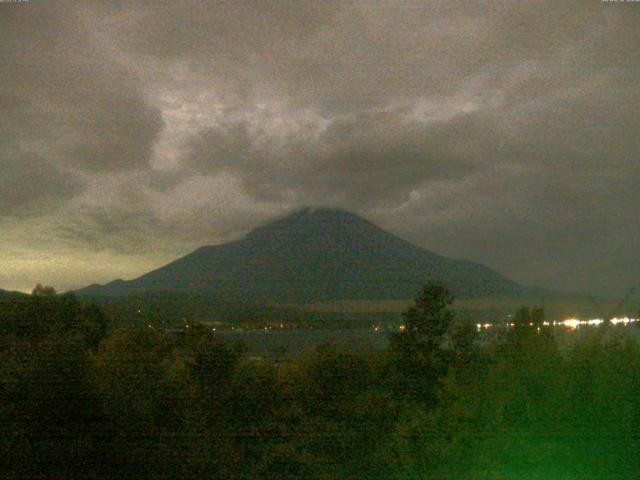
pixel 502 132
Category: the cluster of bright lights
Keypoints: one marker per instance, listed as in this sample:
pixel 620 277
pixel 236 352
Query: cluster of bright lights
pixel 594 322
pixel 624 320
pixel 572 323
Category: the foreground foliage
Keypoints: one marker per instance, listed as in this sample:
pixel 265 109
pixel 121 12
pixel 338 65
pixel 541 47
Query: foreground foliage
pixel 79 399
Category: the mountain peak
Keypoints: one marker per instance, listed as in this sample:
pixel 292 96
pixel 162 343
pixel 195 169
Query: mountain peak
pixel 312 221
pixel 317 214
pixel 323 212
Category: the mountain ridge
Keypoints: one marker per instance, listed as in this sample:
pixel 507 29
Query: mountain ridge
pixel 10 293
pixel 313 255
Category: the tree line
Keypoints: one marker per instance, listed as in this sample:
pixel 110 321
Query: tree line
pixel 83 396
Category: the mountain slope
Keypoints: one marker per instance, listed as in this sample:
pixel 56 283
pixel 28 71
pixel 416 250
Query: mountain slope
pixel 313 255
pixel 8 293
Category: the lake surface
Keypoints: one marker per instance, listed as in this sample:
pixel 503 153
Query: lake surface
pixel 273 343
pixel 270 343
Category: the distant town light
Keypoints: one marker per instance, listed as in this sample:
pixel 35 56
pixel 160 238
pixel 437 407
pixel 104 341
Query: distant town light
pixel 571 323
pixel 624 320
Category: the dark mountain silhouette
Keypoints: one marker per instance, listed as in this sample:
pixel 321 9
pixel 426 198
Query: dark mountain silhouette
pixel 7 293
pixel 310 256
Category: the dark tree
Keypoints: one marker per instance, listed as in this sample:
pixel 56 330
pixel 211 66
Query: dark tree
pixel 43 290
pixel 421 347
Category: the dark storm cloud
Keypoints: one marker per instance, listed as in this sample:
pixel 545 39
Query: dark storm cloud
pixel 31 186
pixel 67 108
pixel 226 41
pixel 132 227
pixel 353 55
pixel 119 229
pixel 504 132
pixel 367 160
